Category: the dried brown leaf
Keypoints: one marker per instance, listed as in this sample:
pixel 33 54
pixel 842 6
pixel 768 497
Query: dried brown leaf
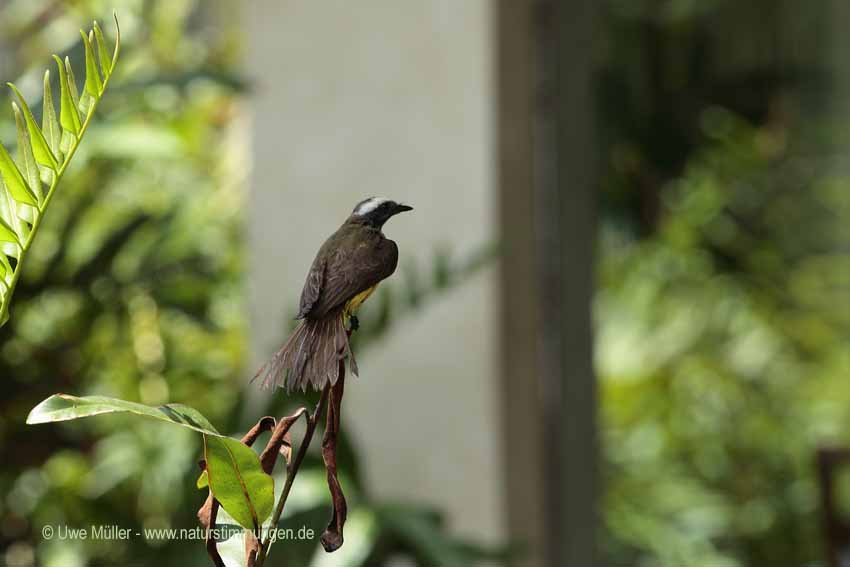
pixel 280 442
pixel 332 538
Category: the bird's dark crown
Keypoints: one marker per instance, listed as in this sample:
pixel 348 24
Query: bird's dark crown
pixel 375 211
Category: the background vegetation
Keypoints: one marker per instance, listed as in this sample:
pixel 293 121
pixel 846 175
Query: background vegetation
pixel 722 311
pixel 723 305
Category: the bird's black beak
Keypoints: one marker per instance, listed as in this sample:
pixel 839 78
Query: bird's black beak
pixel 399 208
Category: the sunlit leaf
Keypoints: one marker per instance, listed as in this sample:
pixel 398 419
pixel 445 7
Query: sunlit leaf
pixel 102 51
pixel 237 480
pixel 117 49
pixel 69 117
pixel 93 84
pixel 30 168
pixel 7 209
pixel 72 85
pixel 7 234
pixel 64 407
pixel 14 180
pixel 49 123
pixel 6 270
pixel 40 147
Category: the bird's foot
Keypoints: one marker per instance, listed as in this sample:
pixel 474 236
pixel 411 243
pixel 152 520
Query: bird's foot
pixel 353 323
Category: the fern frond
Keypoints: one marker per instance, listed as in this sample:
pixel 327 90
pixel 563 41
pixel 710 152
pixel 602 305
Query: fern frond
pixel 44 154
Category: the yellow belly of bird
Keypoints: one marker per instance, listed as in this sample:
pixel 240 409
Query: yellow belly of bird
pixel 358 300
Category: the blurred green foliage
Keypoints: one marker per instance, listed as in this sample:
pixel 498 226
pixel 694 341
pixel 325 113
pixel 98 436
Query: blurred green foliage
pixel 723 308
pixel 132 289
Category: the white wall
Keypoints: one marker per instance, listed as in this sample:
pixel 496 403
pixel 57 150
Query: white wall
pixel 389 98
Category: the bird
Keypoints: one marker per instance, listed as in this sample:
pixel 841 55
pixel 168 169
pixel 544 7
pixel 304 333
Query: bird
pixel 346 271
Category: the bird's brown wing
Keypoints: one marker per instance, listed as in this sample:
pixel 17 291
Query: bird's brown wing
pixel 312 287
pixel 352 269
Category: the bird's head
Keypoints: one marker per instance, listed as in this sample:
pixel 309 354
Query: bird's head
pixel 375 211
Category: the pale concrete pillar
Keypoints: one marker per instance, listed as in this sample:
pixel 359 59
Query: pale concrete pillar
pixel 390 98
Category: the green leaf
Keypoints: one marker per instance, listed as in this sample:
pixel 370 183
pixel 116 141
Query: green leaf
pixel 10 219
pixel 63 407
pixel 7 234
pixel 14 180
pixel 49 123
pixel 30 171
pixel 117 43
pixel 93 85
pixel 102 51
pixel 72 85
pixel 4 261
pixel 40 147
pixel 69 117
pixel 238 482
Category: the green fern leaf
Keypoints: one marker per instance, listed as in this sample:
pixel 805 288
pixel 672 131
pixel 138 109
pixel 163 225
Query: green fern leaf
pixel 102 51
pixel 22 200
pixel 9 212
pixel 7 234
pixel 25 154
pixel 40 147
pixel 93 85
pixel 72 86
pixel 69 118
pixel 49 123
pixel 14 179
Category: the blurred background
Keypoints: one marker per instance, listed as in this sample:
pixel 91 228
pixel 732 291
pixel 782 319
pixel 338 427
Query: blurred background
pixel 619 329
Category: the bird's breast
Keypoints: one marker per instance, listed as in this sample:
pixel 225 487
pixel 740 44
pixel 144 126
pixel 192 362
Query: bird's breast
pixel 358 300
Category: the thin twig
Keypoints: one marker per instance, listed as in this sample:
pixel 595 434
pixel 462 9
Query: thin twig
pixel 291 471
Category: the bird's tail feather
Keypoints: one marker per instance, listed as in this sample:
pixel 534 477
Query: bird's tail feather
pixel 311 356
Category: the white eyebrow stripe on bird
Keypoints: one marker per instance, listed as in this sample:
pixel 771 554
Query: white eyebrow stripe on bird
pixel 369 205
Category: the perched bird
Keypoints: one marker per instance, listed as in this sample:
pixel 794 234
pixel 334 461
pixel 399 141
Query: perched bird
pixel 347 269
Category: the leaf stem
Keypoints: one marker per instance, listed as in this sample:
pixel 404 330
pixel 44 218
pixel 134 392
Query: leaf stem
pixel 291 471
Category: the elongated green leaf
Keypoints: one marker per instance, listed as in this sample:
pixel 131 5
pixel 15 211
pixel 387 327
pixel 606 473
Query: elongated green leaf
pixel 72 85
pixel 9 215
pixel 237 481
pixel 102 51
pixel 40 147
pixel 69 116
pixel 14 180
pixel 4 262
pixel 63 407
pixel 93 85
pixel 49 123
pixel 7 235
pixel 117 49
pixel 30 168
